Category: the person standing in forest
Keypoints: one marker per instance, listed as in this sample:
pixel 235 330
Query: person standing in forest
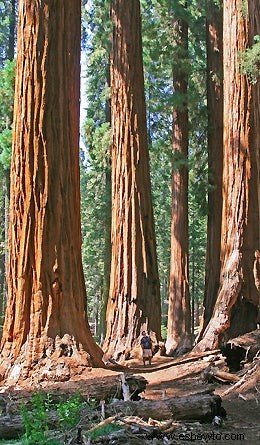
pixel 146 345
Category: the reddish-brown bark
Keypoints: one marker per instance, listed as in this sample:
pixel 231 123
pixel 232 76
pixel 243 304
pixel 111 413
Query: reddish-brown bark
pixel 179 316
pixel 45 317
pixel 134 300
pixel 215 156
pixel 235 310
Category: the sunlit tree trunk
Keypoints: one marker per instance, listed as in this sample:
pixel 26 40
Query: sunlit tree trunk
pixel 11 10
pixel 236 308
pixel 179 315
pixel 134 301
pixel 215 156
pixel 45 318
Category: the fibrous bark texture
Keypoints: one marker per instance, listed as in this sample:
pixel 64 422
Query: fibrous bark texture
pixel 215 156
pixel 45 317
pixel 179 316
pixel 237 304
pixel 134 299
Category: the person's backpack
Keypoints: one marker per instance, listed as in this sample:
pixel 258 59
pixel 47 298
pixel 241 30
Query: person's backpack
pixel 146 342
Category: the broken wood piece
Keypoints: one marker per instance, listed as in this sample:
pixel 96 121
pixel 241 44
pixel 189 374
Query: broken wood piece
pixel 193 407
pixel 213 374
pixel 253 370
pixel 125 388
pixel 103 423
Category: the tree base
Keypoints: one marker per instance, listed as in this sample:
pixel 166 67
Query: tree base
pixel 56 360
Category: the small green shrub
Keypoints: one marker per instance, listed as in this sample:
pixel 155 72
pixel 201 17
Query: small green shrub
pixel 35 420
pixel 69 412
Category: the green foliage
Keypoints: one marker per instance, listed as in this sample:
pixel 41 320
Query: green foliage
pixel 164 332
pixel 35 420
pixel 7 76
pixel 6 148
pixel 250 61
pixel 95 210
pixel 69 412
pixel 7 79
pixel 7 30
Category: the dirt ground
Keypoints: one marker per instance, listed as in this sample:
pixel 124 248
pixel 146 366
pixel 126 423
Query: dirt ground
pixel 169 377
pixel 242 423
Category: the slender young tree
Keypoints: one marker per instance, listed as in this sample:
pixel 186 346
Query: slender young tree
pixel 45 318
pixel 215 156
pixel 236 308
pixel 179 316
pixel 134 300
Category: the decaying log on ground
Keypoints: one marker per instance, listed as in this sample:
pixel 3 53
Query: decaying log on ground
pixel 193 407
pixel 213 374
pixel 11 428
pixel 252 373
pixel 240 349
pixel 100 389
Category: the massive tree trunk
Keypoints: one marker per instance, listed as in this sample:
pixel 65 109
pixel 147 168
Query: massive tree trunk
pixel 235 310
pixel 254 30
pixel 215 156
pixel 45 318
pixel 134 300
pixel 179 316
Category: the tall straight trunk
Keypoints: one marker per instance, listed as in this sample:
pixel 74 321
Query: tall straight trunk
pixel 134 300
pixel 215 156
pixel 2 254
pixel 254 30
pixel 107 247
pixel 12 24
pixel 179 315
pixel 235 311
pixel 107 258
pixel 45 319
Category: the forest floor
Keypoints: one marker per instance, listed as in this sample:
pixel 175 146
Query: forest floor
pixel 169 377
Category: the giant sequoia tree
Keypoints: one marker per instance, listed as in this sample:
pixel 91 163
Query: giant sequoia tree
pixel 215 155
pixel 45 318
pixel 179 316
pixel 236 308
pixel 134 300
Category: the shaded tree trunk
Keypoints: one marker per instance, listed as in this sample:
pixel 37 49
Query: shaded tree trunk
pixel 134 300
pixel 12 25
pixel 179 314
pixel 107 248
pixel 235 311
pixel 45 319
pixel 215 157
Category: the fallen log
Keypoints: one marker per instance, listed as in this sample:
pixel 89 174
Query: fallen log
pixel 203 407
pixel 194 407
pixel 240 349
pixel 11 427
pixel 101 389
